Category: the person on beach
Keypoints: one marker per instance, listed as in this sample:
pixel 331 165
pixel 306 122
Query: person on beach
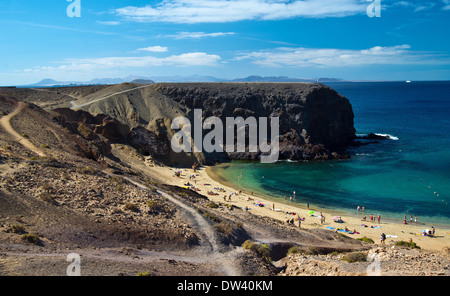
pixel 307 205
pixel 378 218
pixel 415 219
pixel 299 223
pixel 371 217
pixel 363 210
pixel 357 209
pixel 383 238
pixel 410 218
pixel 433 231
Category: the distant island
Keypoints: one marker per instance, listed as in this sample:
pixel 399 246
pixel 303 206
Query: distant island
pixel 176 78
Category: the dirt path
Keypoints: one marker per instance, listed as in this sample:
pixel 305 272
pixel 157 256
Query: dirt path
pixel 5 122
pixel 53 92
pixel 211 248
pixel 76 106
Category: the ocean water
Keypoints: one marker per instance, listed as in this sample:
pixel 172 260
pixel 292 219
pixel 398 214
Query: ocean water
pixel 406 174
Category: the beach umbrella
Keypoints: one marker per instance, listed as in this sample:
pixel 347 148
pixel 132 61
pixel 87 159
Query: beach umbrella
pixel 311 212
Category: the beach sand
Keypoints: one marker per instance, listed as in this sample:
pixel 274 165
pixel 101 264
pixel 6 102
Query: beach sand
pixel 206 181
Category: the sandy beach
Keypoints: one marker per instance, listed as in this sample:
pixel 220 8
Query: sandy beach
pixel 207 184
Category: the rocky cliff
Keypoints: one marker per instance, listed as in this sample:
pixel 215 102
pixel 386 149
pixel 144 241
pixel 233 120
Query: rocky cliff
pixel 316 122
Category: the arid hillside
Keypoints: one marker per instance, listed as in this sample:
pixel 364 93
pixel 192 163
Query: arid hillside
pixel 59 197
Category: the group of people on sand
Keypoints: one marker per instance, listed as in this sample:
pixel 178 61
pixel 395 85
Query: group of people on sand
pixel 364 218
pixel 410 219
pixel 292 221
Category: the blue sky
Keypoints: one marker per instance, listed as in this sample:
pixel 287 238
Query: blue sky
pixel 226 39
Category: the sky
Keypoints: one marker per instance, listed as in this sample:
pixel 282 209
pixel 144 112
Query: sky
pixel 79 40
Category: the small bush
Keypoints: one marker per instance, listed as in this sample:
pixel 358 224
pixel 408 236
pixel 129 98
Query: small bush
pixel 212 205
pixel 131 207
pixel 294 250
pixel 366 240
pixel 48 198
pixel 411 245
pixel 224 227
pixel 153 205
pixel 25 135
pixel 19 229
pixel 262 250
pixel 355 257
pixel 212 217
pixel 31 238
pixel 87 171
pixel 45 146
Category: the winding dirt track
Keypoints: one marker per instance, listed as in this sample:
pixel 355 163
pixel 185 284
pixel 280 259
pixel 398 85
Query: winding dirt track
pixel 5 122
pixel 75 106
pixel 211 248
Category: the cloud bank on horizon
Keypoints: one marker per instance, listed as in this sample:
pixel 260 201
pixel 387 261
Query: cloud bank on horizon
pixel 228 39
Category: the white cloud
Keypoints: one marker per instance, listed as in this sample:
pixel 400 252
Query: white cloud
pixel 109 23
pixel 154 49
pixel 198 35
pixel 217 11
pixel 113 63
pixel 447 4
pixel 329 57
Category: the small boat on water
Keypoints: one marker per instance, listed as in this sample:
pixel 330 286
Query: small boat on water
pixel 408 81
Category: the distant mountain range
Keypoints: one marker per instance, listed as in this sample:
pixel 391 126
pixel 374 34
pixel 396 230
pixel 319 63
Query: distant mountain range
pixel 176 78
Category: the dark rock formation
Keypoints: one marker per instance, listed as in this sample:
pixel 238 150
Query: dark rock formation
pixel 93 133
pixel 315 121
pixel 148 143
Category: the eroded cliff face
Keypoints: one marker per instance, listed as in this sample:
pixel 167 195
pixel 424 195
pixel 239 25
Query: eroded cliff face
pixel 315 121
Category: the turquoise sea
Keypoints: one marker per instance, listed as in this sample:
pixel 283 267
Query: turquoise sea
pixel 406 174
